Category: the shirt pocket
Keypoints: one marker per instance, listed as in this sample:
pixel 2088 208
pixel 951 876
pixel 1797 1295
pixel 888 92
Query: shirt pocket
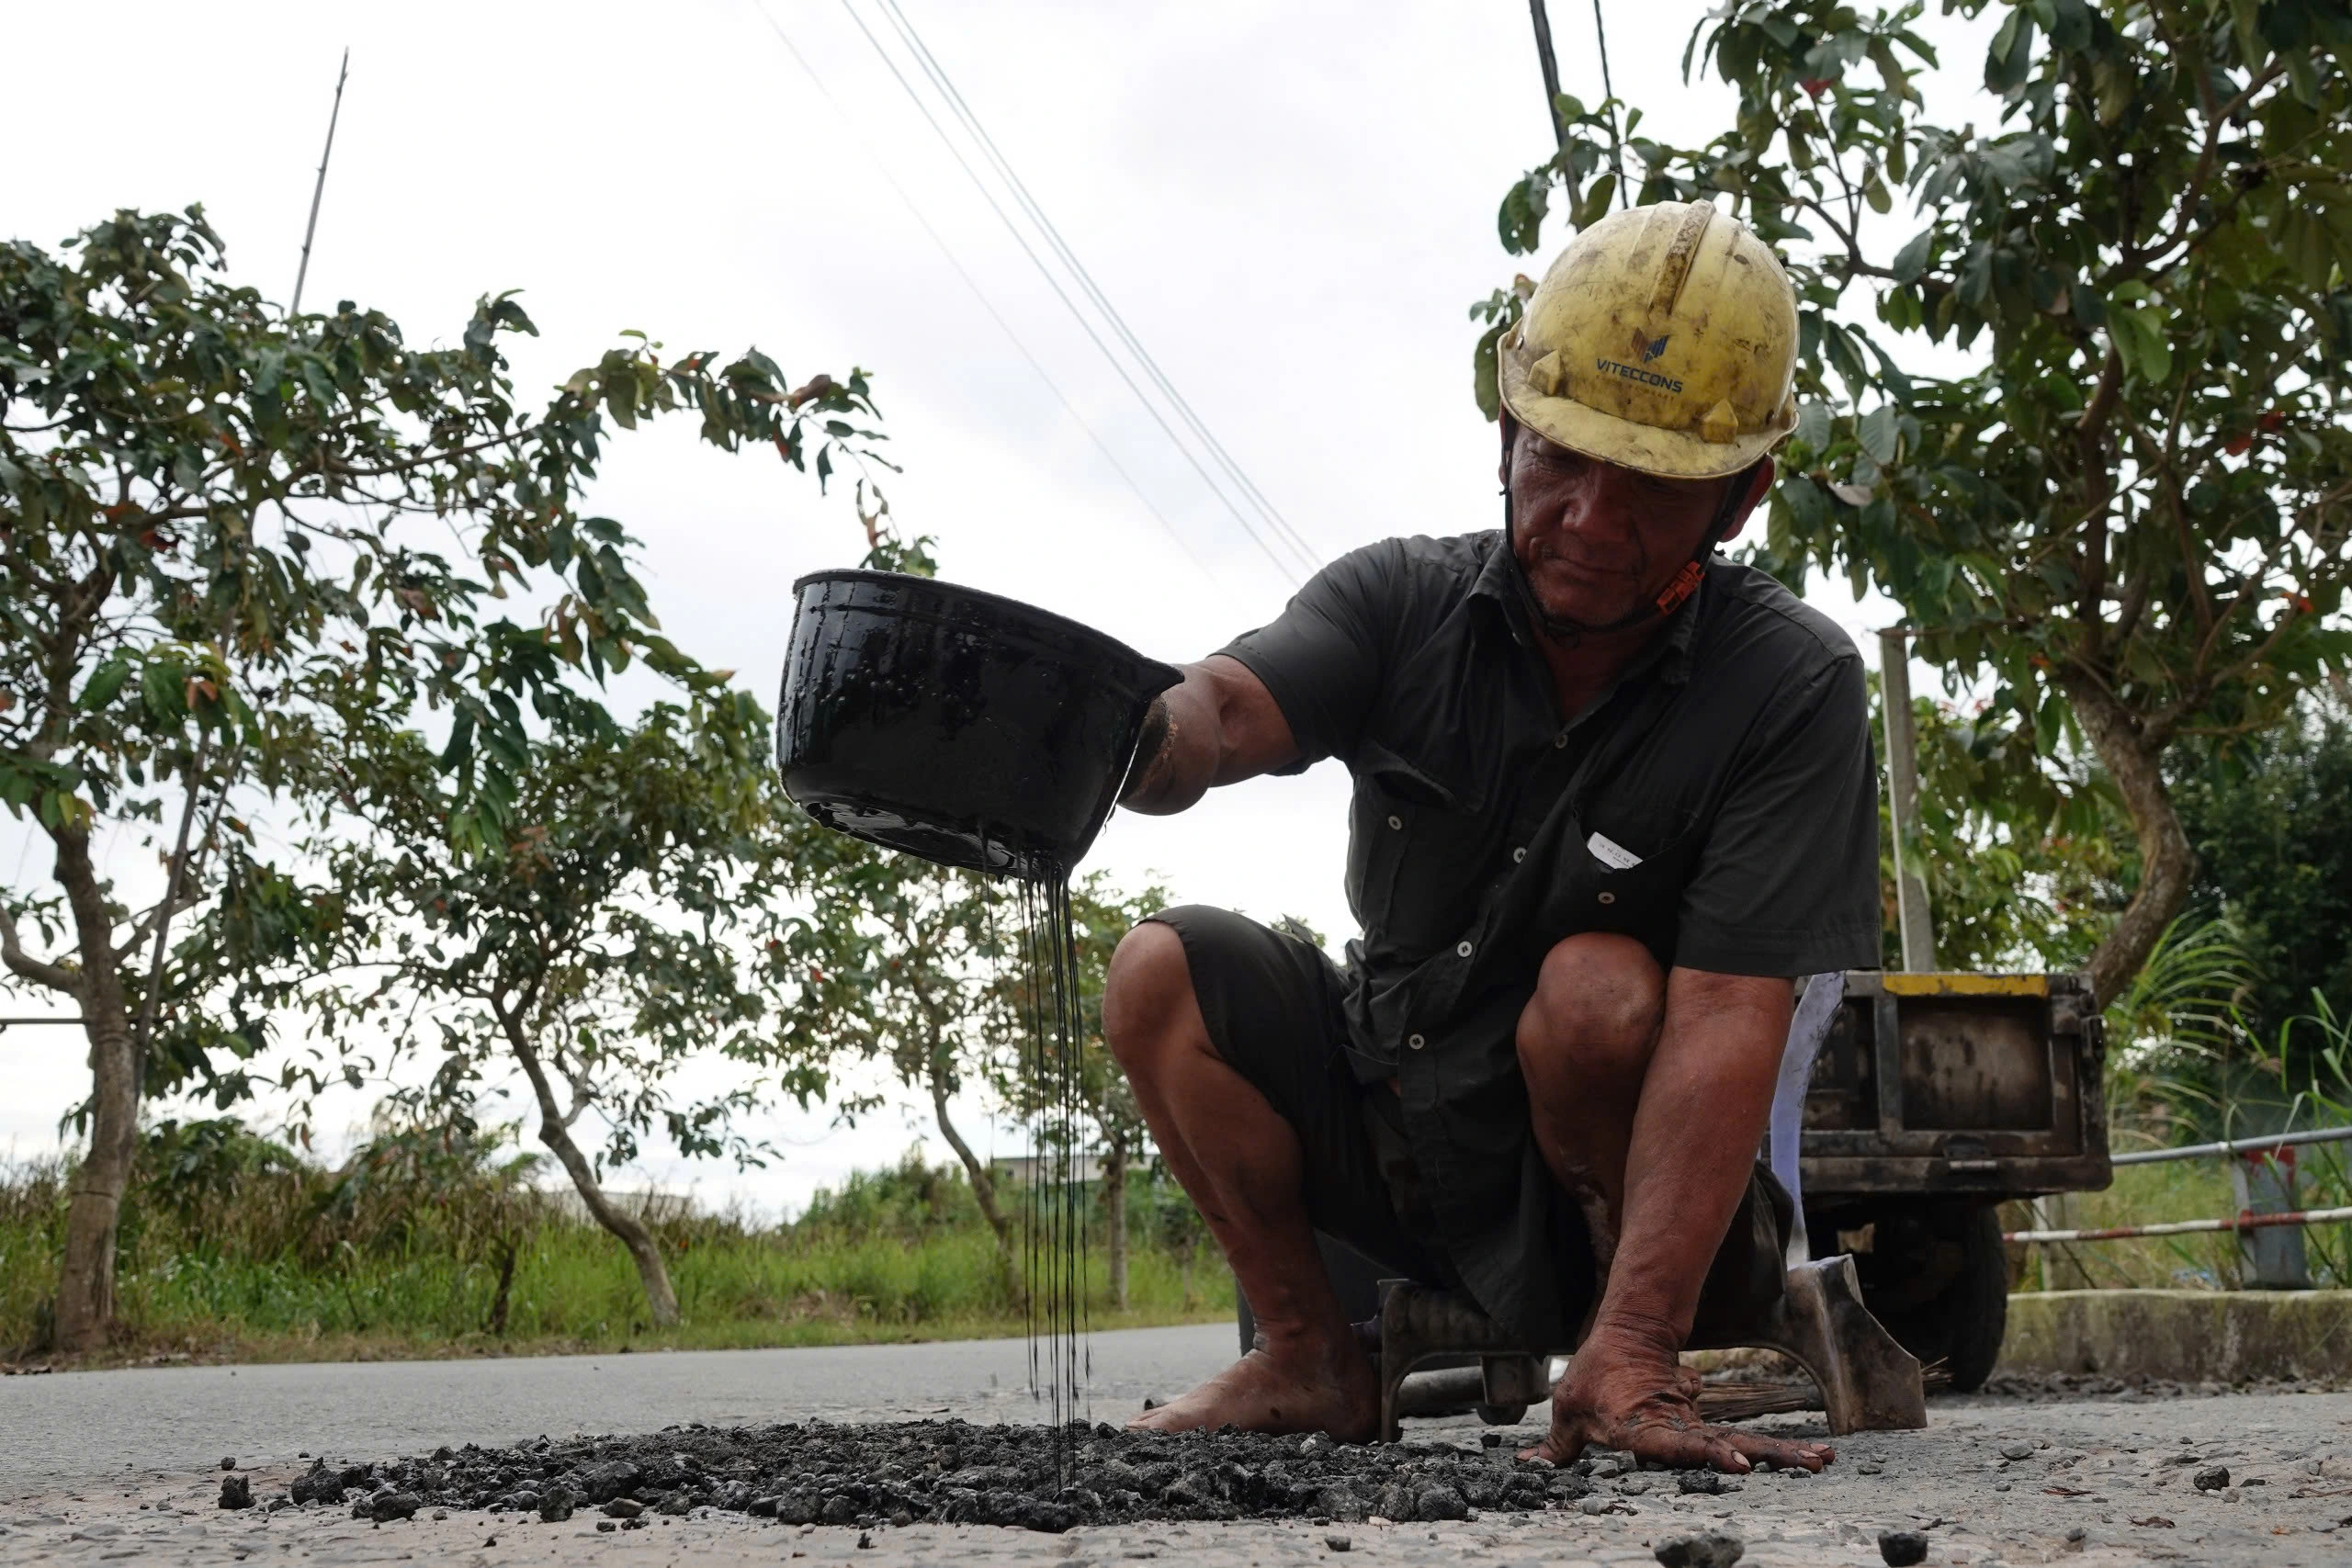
pixel 1642 901
pixel 1415 846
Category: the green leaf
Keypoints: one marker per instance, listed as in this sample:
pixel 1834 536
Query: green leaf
pixel 2245 18
pixel 2049 723
pixel 1874 192
pixel 1520 220
pixel 1486 385
pixel 1593 204
pixel 2010 60
pixel 1898 81
pixel 1911 262
pixel 163 691
pixel 461 749
pixel 104 685
pixel 1813 424
pixel 2139 338
pixel 2005 37
pixel 1876 432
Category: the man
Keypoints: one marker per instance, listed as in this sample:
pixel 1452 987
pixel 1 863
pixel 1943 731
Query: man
pixel 1611 794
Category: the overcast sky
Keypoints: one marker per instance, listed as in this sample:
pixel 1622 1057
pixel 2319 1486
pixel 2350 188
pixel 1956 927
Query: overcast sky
pixel 1292 205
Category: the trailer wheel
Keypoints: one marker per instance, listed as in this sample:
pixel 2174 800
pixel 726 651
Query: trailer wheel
pixel 1938 1278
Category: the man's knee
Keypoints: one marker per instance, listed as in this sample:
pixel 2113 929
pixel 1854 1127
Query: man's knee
pixel 1146 994
pixel 1599 1000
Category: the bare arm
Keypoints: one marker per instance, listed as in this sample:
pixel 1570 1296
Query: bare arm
pixel 1218 727
pixel 1704 1098
pixel 1717 1060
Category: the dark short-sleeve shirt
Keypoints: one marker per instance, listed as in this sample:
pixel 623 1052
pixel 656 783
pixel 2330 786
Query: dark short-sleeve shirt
pixel 1719 805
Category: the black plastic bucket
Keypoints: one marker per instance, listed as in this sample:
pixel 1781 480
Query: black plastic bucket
pixel 967 728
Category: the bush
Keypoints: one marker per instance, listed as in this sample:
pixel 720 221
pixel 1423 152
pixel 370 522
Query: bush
pixel 433 1240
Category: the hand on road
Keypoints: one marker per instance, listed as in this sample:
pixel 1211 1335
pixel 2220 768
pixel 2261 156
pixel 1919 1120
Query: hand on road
pixel 1624 1393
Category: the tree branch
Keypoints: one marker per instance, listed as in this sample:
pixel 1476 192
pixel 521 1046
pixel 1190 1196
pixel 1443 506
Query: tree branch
pixel 2099 487
pixel 2215 120
pixel 39 971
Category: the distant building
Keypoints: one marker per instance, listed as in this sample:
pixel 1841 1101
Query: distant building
pixel 1021 1170
pixel 649 1204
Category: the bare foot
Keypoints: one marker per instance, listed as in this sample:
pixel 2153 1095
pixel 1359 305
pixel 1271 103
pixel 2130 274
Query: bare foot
pixel 1265 1392
pixel 1623 1392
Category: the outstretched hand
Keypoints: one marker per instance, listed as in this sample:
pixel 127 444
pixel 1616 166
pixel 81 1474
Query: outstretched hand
pixel 1621 1393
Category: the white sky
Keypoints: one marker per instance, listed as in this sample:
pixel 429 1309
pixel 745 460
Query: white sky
pixel 1292 206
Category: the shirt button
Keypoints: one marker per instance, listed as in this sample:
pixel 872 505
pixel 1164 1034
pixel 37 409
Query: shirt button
pixel 1415 1041
pixel 1560 739
pixel 1607 897
pixel 1397 822
pixel 1462 949
pixel 1518 855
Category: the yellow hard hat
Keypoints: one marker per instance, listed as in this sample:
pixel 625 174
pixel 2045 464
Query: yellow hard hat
pixel 1663 338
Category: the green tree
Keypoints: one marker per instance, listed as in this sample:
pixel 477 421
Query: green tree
pixel 621 934
pixel 898 960
pixel 211 513
pixel 2024 854
pixel 2128 521
pixel 2271 821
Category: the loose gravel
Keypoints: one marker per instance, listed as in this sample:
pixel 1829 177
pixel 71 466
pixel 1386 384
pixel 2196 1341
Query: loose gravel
pixel 954 1471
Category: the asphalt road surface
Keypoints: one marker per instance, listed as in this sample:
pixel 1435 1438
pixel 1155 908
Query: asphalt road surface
pixel 75 1427
pixel 104 1466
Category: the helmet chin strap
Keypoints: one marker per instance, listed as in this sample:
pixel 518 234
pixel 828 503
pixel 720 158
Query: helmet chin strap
pixel 1684 582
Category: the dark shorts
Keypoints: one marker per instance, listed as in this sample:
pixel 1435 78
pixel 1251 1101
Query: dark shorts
pixel 1273 1007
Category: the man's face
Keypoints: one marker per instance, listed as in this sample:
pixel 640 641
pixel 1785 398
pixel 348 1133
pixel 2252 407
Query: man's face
pixel 1597 541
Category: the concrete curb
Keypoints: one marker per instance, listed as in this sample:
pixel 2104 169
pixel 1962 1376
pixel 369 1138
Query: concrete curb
pixel 2226 1336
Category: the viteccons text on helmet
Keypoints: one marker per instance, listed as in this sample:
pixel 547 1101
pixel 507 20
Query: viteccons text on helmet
pixel 1647 378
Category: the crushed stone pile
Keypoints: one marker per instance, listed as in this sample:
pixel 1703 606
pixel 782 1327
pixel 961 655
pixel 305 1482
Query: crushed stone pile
pixel 952 1473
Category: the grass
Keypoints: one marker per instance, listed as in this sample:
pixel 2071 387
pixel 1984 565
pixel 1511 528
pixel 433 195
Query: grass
pixel 2182 1190
pixel 2184 1067
pixel 235 1249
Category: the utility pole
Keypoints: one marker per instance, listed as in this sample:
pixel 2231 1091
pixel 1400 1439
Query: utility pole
pixel 1551 66
pixel 1903 800
pixel 151 998
pixel 302 273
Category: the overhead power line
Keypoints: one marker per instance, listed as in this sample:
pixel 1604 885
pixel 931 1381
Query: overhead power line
pixel 1294 555
pixel 1093 291
pixel 1609 90
pixel 948 253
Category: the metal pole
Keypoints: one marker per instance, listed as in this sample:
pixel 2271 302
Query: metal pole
pixel 2235 1147
pixel 1903 801
pixel 1551 66
pixel 318 189
pixel 2185 1227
